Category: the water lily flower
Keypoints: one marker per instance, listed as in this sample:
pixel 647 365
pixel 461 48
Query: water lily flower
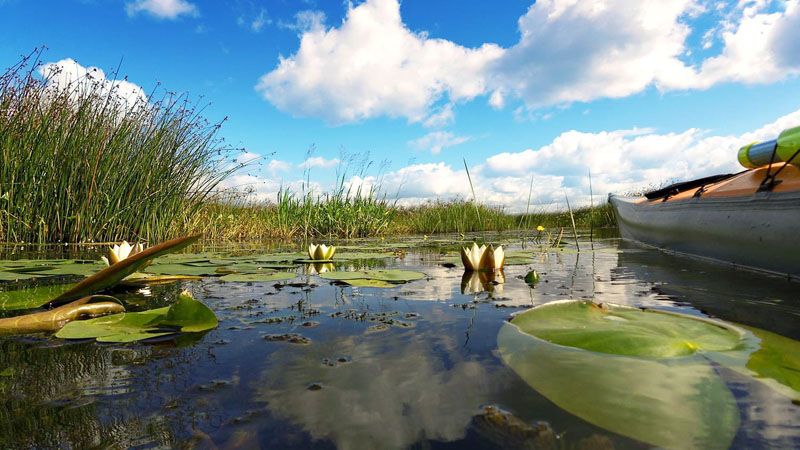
pixel 321 252
pixel 483 257
pixel 119 252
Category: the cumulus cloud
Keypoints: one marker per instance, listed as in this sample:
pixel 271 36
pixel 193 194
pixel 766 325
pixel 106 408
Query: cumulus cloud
pixel 162 9
pixel 440 117
pixel 318 161
pixel 620 161
pixel 435 141
pixel 568 51
pixel 571 50
pixel 276 166
pixel 68 75
pixel 761 48
pixel 373 65
pixel 306 20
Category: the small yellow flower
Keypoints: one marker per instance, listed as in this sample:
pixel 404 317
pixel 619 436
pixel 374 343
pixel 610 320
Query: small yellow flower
pixel 321 252
pixel 483 257
pixel 540 228
pixel 119 252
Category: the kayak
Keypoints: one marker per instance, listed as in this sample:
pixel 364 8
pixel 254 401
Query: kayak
pixel 748 219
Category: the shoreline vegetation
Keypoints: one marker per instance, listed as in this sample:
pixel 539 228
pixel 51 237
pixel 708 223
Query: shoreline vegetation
pixel 83 161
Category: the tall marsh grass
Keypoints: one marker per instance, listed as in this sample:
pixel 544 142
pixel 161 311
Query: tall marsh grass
pixel 347 213
pixel 78 164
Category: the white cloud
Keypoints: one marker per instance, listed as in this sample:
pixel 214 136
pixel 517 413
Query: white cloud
pixel 620 161
pixel 275 166
pixel 258 23
pixel 435 141
pixel 440 117
pixel 373 65
pixel 162 9
pixel 572 50
pixel 306 20
pixel 318 161
pixel 761 48
pixel 569 50
pixel 68 75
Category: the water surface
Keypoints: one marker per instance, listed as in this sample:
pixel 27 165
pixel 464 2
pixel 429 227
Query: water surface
pixel 308 363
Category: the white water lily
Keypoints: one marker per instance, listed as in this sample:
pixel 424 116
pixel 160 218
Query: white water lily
pixel 483 257
pixel 119 252
pixel 321 252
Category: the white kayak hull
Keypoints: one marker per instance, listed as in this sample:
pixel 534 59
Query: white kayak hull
pixel 759 231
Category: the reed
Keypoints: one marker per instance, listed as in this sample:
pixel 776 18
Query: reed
pixel 77 165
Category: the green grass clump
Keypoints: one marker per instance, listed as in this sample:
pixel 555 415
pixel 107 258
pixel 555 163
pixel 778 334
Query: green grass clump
pixel 77 164
pixel 343 213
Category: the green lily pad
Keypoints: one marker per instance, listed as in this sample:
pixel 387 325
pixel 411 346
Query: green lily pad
pixel 185 315
pixel 261 276
pixel 73 269
pixel 280 257
pixel 32 297
pixel 621 330
pixel 361 282
pixel 671 403
pixel 364 255
pixel 390 275
pixel 181 269
pixel 15 276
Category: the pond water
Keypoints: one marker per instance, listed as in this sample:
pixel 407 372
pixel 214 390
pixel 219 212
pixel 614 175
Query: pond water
pixel 310 363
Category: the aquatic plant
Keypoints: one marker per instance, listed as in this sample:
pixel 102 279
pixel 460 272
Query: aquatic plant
pixel 642 373
pixel 77 166
pixel 483 257
pixel 121 251
pixel 321 252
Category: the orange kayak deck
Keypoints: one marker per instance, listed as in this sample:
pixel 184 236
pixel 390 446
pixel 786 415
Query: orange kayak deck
pixel 740 185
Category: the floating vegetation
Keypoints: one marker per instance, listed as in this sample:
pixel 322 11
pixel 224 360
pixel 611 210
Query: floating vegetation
pixel 643 373
pixel 185 315
pixel 291 338
pixel 263 276
pixel 374 277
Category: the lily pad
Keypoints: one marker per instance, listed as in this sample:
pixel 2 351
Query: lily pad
pixel 185 315
pixel 390 275
pixel 361 282
pixel 261 276
pixel 181 269
pixel 32 297
pixel 642 373
pixel 622 330
pixel 671 403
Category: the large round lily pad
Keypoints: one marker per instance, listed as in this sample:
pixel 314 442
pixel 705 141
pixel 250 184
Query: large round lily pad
pixel 670 403
pixel 622 330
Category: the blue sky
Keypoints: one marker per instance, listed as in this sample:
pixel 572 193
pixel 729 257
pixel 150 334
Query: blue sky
pixel 638 93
